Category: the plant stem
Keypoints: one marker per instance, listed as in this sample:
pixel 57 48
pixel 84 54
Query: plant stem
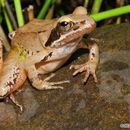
pixel 0 19
pixel 61 12
pixel 44 9
pixel 96 6
pixel 119 3
pixel 19 14
pixel 50 13
pixel 0 12
pixel 86 3
pixel 8 23
pixel 111 13
pixel 30 11
pixel 118 21
pixel 7 20
pixel 10 14
pixel 5 41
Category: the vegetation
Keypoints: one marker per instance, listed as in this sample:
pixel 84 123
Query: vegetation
pixel 15 13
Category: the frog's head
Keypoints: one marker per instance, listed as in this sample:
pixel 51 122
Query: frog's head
pixel 71 27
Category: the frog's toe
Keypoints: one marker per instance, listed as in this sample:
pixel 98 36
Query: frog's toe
pixel 54 85
pixel 45 84
pixel 75 67
pixel 60 82
pixel 86 77
pixel 95 77
pixel 16 102
pixel 78 68
pixel 88 73
pixel 49 77
pixel 89 68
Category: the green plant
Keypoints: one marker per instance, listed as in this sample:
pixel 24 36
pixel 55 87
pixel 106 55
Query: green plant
pixel 111 13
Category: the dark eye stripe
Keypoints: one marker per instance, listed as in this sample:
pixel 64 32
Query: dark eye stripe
pixel 61 28
pixel 82 22
pixel 53 36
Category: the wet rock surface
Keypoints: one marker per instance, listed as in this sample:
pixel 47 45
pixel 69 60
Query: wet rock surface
pixel 101 106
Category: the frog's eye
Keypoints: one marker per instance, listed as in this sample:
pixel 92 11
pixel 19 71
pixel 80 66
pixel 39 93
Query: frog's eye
pixel 65 24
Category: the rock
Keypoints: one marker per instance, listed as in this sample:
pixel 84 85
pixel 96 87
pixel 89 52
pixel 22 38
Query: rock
pixel 127 99
pixel 30 106
pixel 7 115
pixel 115 72
pixel 101 106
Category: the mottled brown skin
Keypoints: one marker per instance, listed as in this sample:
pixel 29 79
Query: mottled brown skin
pixel 41 47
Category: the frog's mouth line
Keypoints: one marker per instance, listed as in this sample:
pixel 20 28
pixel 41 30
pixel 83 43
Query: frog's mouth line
pixel 74 35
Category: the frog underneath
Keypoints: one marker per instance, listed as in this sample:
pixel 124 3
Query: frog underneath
pixel 41 47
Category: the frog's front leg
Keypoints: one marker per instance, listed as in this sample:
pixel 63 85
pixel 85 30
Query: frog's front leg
pixel 40 84
pixel 91 65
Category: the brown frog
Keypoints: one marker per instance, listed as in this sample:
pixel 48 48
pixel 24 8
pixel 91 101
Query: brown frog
pixel 41 47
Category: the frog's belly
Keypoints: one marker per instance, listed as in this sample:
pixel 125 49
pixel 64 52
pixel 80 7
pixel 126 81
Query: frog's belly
pixel 58 58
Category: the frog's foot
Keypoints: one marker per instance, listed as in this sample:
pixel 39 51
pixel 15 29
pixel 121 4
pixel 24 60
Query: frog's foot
pixel 16 102
pixel 45 84
pixel 89 68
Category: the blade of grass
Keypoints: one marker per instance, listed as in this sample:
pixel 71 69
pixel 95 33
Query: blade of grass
pixel 118 21
pixel 54 1
pixel 50 13
pixel 44 9
pixel 0 6
pixel 7 20
pixel 19 14
pixel 0 12
pixel 111 13
pixel 61 12
pixel 119 3
pixel 86 3
pixel 10 14
pixel 96 6
pixel 58 2
pixel 0 19
pixel 6 43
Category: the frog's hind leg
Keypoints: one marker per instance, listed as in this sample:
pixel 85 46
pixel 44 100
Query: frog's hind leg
pixel 21 77
pixel 40 84
pixel 12 78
